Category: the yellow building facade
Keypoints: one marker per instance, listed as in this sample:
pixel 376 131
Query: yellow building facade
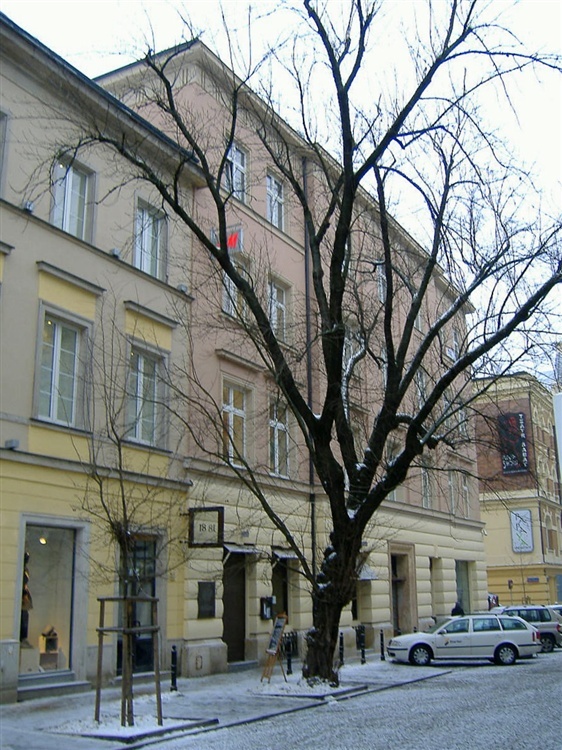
pixel 520 491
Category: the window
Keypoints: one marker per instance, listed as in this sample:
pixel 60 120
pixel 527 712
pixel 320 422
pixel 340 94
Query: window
pixel 205 599
pixel 232 299
pixel 59 371
pixel 480 624
pixel 426 487
pixel 150 240
pixel 235 173
pixel 72 200
pixel 275 201
pixel 465 496
pixel 144 398
pixel 462 419
pixel 234 408
pixel 278 438
pixel 508 623
pixel 456 626
pixel 452 480
pixel 278 309
pixel 381 281
pixel 453 350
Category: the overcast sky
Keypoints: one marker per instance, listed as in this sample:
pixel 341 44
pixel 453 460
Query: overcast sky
pixel 99 35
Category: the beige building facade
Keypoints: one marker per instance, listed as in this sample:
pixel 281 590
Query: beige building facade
pixel 520 491
pixel 119 339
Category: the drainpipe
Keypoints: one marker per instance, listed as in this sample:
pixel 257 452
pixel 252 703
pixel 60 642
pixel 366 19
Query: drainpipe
pixel 308 323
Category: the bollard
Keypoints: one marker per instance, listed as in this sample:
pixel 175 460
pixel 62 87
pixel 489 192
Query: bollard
pixel 360 641
pixel 362 644
pixel 289 652
pixel 341 649
pixel 382 645
pixel 174 665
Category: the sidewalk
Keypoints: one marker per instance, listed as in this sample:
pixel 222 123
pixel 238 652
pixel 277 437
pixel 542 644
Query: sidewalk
pixel 199 705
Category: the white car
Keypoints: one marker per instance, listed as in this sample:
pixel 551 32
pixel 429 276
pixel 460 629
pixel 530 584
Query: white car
pixel 499 638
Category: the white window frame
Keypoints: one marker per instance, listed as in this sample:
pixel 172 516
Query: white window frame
pixel 72 182
pixel 139 401
pixel 150 240
pixel 381 281
pixel 233 303
pixel 231 413
pixel 465 489
pixel 236 172
pixel 54 411
pixel 426 487
pixel 275 202
pixel 278 308
pixel 452 483
pixel 454 349
pixel 278 438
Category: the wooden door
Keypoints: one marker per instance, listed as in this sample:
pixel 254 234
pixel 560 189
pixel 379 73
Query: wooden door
pixel 234 606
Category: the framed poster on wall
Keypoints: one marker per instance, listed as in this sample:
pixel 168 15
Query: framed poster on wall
pixel 521 531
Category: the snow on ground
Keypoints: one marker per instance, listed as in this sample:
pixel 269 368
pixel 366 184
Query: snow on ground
pixel 295 686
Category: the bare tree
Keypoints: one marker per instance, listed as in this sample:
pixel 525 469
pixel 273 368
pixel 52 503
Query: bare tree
pixel 133 500
pixel 415 320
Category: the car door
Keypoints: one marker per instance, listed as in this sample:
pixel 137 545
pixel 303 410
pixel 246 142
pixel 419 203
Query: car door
pixel 486 635
pixel 453 640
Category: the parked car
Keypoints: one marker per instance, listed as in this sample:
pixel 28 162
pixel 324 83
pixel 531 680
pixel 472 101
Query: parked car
pixel 498 638
pixel 557 608
pixel 544 618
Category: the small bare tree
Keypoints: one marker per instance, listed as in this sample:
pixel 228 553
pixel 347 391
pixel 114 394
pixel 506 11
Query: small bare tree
pixel 416 320
pixel 132 496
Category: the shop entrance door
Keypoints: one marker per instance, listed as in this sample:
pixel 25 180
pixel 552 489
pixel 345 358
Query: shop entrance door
pixel 234 606
pixel 142 582
pixel 47 599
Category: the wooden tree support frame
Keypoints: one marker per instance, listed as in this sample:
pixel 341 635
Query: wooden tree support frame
pixel 128 630
pixel 273 651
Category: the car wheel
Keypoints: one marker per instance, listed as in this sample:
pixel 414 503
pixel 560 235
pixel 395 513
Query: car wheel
pixel 547 642
pixel 505 655
pixel 420 655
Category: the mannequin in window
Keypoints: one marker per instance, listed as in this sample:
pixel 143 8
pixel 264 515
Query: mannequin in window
pixel 26 604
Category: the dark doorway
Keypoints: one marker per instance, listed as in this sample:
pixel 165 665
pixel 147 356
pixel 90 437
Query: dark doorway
pixel 234 605
pixel 142 582
pixel 280 587
pixel 399 565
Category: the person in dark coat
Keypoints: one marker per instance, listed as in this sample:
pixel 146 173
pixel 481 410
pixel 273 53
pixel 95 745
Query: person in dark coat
pixel 457 610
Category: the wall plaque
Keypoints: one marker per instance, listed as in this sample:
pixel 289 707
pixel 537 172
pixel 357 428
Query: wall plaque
pixel 206 527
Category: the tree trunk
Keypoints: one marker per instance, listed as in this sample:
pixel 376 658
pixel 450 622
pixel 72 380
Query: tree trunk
pixel 336 585
pixel 322 640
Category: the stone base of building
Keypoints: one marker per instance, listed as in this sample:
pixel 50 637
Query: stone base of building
pixel 200 658
pixel 9 670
